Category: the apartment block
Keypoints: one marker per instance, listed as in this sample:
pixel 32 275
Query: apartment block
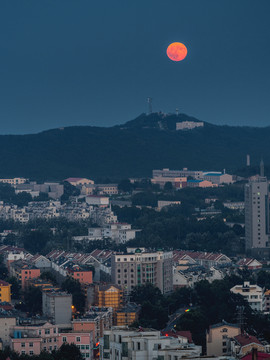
pixel 252 293
pixel 57 306
pixel 218 338
pixel 109 296
pixel 257 216
pixel 5 291
pixel 126 344
pixel 130 270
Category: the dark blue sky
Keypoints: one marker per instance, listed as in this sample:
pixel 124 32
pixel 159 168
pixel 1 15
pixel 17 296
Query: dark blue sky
pixel 86 62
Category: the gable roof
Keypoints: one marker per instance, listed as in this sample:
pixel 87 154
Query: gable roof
pixel 245 339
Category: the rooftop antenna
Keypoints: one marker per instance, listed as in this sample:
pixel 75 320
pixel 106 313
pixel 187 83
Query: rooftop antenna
pixel 177 111
pixel 248 160
pixel 149 101
pixel 262 168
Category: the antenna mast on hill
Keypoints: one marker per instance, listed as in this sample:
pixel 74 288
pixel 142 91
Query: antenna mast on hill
pixel 149 101
pixel 177 111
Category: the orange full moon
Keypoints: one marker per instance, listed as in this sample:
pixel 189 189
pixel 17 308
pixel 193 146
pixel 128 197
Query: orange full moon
pixel 177 51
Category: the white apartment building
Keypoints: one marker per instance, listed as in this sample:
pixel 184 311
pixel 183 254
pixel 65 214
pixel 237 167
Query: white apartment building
pixel 196 174
pixel 254 294
pixel 130 270
pixel 98 200
pixel 125 344
pixel 257 215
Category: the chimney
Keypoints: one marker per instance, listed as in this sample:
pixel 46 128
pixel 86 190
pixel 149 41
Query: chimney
pixel 254 354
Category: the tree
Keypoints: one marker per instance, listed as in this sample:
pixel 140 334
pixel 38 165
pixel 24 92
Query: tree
pixel 125 185
pixel 15 287
pixel 74 287
pixel 168 186
pixel 68 352
pixel 33 300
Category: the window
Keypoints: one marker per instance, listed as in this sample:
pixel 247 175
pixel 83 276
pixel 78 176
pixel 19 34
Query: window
pixel 224 343
pixel 64 339
pixel 23 352
pixel 47 331
pixel 31 344
pixel 50 348
pixel 55 331
pixel 82 347
pixel 78 339
pixel 31 352
pixel 39 332
pixel 22 344
pixel 138 346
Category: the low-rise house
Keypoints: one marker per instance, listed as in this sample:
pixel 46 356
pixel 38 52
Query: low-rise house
pixel 254 294
pixel 250 264
pixel 194 183
pixel 75 181
pixel 243 344
pixel 201 258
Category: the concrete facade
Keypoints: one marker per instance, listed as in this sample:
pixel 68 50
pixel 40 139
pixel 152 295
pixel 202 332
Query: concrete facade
pixel 130 270
pixel 57 306
pixel 257 214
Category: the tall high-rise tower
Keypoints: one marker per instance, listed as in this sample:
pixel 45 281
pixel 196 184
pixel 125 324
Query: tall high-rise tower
pixel 257 216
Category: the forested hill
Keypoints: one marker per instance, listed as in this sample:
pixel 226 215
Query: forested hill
pixel 132 149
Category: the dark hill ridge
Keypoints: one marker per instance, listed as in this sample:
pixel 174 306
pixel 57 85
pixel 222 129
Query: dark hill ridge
pixel 133 149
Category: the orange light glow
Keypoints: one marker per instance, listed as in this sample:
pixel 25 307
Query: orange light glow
pixel 177 51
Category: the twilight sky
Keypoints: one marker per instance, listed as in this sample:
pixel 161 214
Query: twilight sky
pixel 86 62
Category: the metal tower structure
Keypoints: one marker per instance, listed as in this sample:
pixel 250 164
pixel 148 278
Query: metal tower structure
pixel 149 101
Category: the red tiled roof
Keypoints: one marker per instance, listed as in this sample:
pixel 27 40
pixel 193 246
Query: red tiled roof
pixel 260 356
pixel 4 283
pixel 175 334
pixel 245 339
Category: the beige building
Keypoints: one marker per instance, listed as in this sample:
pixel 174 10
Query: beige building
pixel 139 268
pixel 218 338
pixel 79 181
pixel 14 181
pixel 177 182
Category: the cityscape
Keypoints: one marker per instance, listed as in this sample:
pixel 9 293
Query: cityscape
pixel 134 180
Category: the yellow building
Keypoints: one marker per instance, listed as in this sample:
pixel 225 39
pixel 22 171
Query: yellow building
pixel 5 291
pixel 109 296
pixel 127 315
